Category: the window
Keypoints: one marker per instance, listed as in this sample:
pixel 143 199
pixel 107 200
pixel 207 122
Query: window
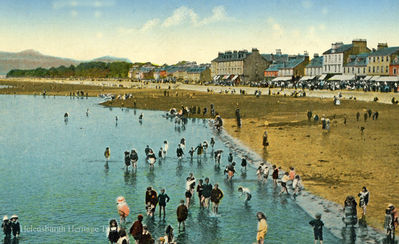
pixel 358 70
pixel 378 69
pixel 382 69
pixel 373 59
pixel 369 69
pixel 373 69
pixel 394 71
pixel 353 69
pixel 364 70
pixel 378 59
pixel 387 69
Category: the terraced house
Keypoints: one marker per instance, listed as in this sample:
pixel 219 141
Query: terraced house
pixel 394 67
pixel 315 66
pixel 294 67
pixel 242 65
pixel 356 65
pixel 380 60
pixel 336 57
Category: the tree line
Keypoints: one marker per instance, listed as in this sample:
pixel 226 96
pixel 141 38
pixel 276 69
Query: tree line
pixel 83 70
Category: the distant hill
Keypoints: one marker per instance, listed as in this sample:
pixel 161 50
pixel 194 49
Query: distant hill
pixel 110 59
pixel 32 59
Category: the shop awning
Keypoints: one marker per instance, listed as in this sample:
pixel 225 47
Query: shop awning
pixel 305 78
pixel 282 78
pixel 342 77
pixel 226 77
pixel 367 77
pixel 374 78
pixel 234 78
pixel 322 77
pixel 388 79
pixel 215 77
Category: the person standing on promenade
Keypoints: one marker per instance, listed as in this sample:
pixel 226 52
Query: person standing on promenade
pixel 317 225
pixel 364 199
pixel 137 229
pixel 182 213
pixel 357 116
pixel 163 198
pixel 216 196
pixel 262 228
pixel 206 192
pixel 151 201
pixel 107 154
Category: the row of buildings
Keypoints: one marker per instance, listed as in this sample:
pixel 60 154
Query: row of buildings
pixel 340 62
pixel 182 71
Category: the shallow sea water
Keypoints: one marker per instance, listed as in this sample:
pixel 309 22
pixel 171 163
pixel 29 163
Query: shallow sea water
pixel 53 175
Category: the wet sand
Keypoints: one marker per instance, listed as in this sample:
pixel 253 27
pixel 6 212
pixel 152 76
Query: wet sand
pixel 332 165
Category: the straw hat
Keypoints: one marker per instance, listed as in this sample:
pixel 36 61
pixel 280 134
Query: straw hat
pixel 120 199
pixel 14 216
pixel 5 217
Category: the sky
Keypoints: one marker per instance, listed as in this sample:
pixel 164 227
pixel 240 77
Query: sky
pixel 168 31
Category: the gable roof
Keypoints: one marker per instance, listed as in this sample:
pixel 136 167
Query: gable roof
pixel 358 60
pixel 293 62
pixel 341 49
pixel 275 67
pixel 316 62
pixel 385 51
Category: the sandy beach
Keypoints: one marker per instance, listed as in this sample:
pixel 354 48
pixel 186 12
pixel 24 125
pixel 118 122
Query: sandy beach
pixel 332 165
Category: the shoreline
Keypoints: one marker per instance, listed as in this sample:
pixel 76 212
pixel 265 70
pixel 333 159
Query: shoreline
pixel 309 202
pixel 287 117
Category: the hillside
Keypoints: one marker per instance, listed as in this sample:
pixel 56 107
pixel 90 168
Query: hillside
pixel 31 59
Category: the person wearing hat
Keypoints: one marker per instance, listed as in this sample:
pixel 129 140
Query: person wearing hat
pixel 16 229
pixel 182 213
pixel 317 228
pixel 123 209
pixel 6 226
